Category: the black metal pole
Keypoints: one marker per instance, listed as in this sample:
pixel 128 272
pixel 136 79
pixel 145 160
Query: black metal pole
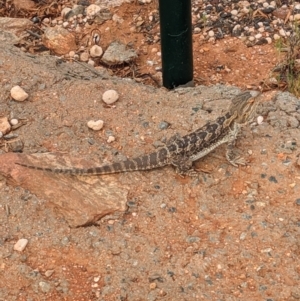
pixel 176 42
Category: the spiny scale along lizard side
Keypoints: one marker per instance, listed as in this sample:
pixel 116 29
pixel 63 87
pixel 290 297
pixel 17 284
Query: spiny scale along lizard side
pixel 181 152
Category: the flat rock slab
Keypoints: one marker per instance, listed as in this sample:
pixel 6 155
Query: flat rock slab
pixel 82 200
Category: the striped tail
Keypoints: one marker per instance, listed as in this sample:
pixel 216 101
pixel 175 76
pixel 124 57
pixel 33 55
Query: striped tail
pixel 146 162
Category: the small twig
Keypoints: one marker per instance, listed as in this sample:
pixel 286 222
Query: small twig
pixel 33 34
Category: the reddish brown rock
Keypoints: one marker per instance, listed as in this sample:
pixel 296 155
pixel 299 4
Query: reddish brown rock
pixel 81 200
pixel 59 40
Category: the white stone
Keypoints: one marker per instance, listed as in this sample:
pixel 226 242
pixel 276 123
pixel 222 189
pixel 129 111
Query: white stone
pixel 234 12
pixel 91 62
pixel 117 19
pixel 258 36
pixel 260 119
pixel 269 40
pixel 251 39
pixel 95 125
pixel 65 24
pixel 150 63
pixel 21 244
pixel 92 9
pixel 111 139
pixel 14 121
pixel 276 36
pixel 18 94
pixel 297 6
pixel 211 33
pixel 1 134
pixel 49 273
pixel 282 32
pixel 96 51
pixel 260 24
pixel 265 4
pixel 84 56
pixel 197 30
pixel 72 53
pixel 261 29
pixel 64 11
pixel 110 96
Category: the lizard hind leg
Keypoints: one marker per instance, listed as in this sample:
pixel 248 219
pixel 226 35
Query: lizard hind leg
pixel 184 166
pixel 232 157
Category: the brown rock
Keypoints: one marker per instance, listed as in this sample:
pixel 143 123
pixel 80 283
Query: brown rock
pixel 4 125
pixel 59 40
pixel 281 13
pixel 15 25
pixel 82 200
pixel 117 53
pixel 24 4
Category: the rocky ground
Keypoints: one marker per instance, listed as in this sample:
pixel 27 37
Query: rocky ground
pixel 229 234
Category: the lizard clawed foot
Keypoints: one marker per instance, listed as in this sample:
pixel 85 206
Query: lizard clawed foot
pixel 238 161
pixel 189 173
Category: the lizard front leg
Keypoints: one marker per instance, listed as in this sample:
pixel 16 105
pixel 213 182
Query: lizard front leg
pixel 231 156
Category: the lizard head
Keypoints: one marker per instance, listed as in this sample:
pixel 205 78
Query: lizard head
pixel 244 106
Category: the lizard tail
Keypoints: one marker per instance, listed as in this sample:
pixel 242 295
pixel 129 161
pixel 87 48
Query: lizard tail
pixel 146 162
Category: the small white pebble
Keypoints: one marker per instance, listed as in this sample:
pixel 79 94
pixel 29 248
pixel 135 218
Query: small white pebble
pixel 14 121
pixel 18 94
pixel 1 134
pixel 91 62
pixel 72 53
pixel 250 152
pixel 258 36
pixel 110 96
pixel 269 40
pixel 211 33
pixel 96 51
pixel 65 24
pixel 111 139
pixel 84 56
pixel 276 36
pixel 260 119
pixel 282 32
pixel 96 279
pixel 95 125
pixel 64 11
pixel 92 9
pixel 21 244
pixel 234 12
pixel 49 273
